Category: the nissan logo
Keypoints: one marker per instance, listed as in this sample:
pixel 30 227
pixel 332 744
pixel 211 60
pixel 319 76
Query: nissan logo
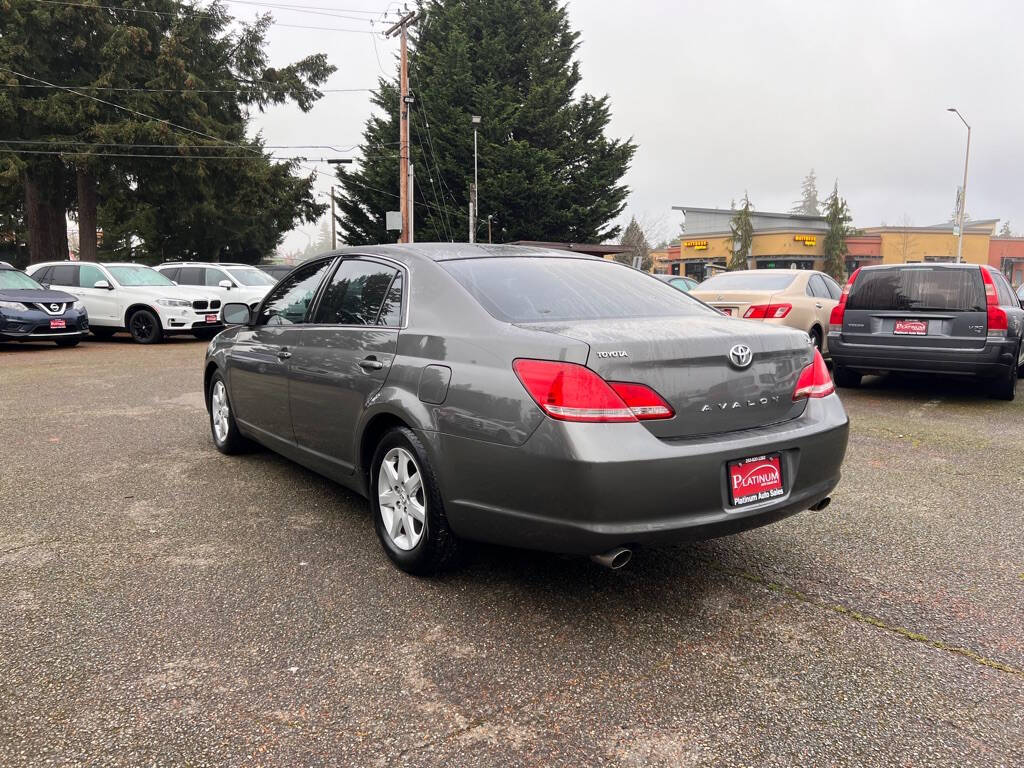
pixel 55 307
pixel 741 356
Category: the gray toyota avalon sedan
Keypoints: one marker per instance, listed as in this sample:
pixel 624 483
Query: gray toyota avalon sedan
pixel 528 397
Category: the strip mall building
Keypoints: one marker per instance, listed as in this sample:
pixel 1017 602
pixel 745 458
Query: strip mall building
pixel 796 241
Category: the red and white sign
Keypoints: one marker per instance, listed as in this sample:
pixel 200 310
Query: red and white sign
pixel 211 318
pixel 758 478
pixel 725 310
pixel 911 328
pixel 58 325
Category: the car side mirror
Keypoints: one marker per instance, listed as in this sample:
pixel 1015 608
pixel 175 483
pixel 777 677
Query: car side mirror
pixel 236 314
pixel 45 285
pixel 226 284
pixel 103 284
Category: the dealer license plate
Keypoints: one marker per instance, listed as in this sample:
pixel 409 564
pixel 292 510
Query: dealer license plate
pixel 911 328
pixel 211 318
pixel 725 310
pixel 756 479
pixel 57 325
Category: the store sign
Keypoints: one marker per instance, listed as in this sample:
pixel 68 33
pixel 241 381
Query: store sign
pixel 806 239
pixel 697 245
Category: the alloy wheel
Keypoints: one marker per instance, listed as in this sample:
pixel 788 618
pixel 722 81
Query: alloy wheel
pixel 401 498
pixel 142 326
pixel 220 412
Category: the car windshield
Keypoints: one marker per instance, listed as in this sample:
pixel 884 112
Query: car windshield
pixel 922 288
pixel 12 279
pixel 758 280
pixel 523 290
pixel 136 274
pixel 251 276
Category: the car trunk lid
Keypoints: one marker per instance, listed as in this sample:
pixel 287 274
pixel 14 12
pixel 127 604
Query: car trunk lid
pixel 686 361
pixel 734 303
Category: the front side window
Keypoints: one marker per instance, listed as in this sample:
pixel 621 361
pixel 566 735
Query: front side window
pixel 89 275
pixel 13 280
pixel 357 293
pixel 250 276
pixel 137 275
pixel 214 276
pixel 289 302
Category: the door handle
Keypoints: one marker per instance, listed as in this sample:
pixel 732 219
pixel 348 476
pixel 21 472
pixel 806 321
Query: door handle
pixel 371 364
pixel 284 354
pixel 817 305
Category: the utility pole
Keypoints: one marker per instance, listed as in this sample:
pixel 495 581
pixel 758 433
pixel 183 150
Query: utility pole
pixel 475 191
pixel 404 105
pixel 334 235
pixel 472 213
pixel 489 217
pixel 963 189
pixel 412 202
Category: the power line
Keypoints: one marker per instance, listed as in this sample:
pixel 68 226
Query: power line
pixel 62 142
pixel 179 90
pixel 301 7
pixel 157 156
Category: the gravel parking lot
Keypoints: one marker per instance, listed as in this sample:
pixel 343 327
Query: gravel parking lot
pixel 162 604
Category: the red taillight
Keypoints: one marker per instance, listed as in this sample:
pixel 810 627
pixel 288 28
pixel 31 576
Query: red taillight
pixel 767 311
pixel 643 401
pixel 996 315
pixel 836 318
pixel 814 380
pixel 572 392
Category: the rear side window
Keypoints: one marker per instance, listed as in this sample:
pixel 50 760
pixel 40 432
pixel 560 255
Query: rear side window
pixel 536 289
pixel 834 291
pixel 356 293
pixel 64 274
pixel 191 276
pixel 43 275
pixel 1005 293
pixel 922 288
pixel 171 273
pixel 817 287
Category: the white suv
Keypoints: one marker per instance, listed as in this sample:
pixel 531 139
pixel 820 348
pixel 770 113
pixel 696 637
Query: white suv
pixel 133 297
pixel 232 282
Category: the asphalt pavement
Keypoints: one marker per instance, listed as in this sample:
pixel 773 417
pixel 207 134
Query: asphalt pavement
pixel 164 605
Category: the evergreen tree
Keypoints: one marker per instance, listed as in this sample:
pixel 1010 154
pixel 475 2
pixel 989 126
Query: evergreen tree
pixel 636 240
pixel 184 204
pixel 1005 230
pixel 547 170
pixel 808 203
pixel 837 214
pixel 742 235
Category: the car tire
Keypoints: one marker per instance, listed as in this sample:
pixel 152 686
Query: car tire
pixel 1005 387
pixel 144 326
pixel 66 342
pixel 428 545
pixel 102 331
pixel 816 338
pixel 844 377
pixel 223 427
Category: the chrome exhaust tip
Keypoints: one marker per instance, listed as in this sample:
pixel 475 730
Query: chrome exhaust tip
pixel 821 504
pixel 614 558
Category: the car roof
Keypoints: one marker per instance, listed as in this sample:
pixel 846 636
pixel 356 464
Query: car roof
pixel 5 265
pixel 455 251
pixel 937 264
pixel 203 264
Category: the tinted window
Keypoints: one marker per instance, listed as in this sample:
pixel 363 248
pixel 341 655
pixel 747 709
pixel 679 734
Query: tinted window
pixel 65 274
pixel 755 280
pixel 43 275
pixel 356 293
pixel 391 312
pixel 290 300
pixel 520 290
pixel 817 286
pixel 920 288
pixel 171 273
pixel 834 291
pixel 1006 297
pixel 190 276
pixel 89 275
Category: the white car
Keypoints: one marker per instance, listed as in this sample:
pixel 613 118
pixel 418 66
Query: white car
pixel 232 282
pixel 133 297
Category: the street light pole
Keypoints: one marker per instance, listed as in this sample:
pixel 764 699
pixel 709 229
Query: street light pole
pixel 963 189
pixel 476 185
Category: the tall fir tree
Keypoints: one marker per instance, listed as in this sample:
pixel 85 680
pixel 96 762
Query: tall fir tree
pixel 837 215
pixel 547 170
pixel 639 247
pixel 742 227
pixel 808 204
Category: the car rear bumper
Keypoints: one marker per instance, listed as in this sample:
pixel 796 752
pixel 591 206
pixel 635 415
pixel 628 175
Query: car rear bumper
pixel 994 359
pixel 585 488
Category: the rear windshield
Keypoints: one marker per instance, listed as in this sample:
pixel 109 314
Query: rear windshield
pixel 760 280
pixel 920 288
pixel 524 290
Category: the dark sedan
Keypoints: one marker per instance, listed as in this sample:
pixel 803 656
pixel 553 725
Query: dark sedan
pixel 29 312
pixel 528 397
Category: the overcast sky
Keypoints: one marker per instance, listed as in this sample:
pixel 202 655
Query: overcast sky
pixel 723 97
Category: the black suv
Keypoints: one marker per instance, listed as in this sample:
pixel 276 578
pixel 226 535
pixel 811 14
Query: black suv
pixel 947 319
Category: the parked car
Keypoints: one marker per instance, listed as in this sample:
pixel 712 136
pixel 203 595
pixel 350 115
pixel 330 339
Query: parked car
pixel 233 282
pixel 528 397
pixel 684 284
pixel 29 312
pixel 797 298
pixel 950 319
pixel 276 271
pixel 133 297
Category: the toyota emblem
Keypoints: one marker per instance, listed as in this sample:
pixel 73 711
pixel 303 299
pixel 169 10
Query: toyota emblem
pixel 741 356
pixel 55 307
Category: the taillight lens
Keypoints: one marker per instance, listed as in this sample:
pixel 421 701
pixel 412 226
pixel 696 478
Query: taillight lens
pixel 571 392
pixel 814 380
pixel 643 401
pixel 996 315
pixel 767 311
pixel 836 317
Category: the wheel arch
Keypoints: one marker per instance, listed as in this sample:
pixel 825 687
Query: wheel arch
pixel 133 308
pixel 211 368
pixel 376 427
